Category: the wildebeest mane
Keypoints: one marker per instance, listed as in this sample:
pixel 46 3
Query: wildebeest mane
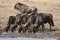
pixel 21 4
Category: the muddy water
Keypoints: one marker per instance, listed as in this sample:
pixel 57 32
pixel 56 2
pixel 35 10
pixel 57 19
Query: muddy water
pixel 27 36
pixel 24 38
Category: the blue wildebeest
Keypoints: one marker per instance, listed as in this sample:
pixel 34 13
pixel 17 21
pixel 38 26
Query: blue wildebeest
pixel 29 24
pixel 42 19
pixel 20 19
pixel 24 8
pixel 17 22
pixel 10 22
pixel 23 21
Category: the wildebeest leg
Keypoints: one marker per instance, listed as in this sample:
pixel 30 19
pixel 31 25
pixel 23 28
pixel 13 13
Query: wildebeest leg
pixel 14 28
pixel 26 25
pixel 20 29
pixel 43 27
pixel 7 28
pixel 52 23
pixel 35 28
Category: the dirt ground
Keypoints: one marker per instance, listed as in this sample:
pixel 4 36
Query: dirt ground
pixel 44 6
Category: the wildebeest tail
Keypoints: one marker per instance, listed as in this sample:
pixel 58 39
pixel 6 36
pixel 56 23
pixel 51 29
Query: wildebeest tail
pixel 52 23
pixel 51 17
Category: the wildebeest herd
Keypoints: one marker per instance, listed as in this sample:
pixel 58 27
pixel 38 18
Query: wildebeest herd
pixel 29 19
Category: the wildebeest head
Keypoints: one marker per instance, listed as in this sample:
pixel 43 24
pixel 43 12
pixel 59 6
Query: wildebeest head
pixel 21 7
pixel 18 5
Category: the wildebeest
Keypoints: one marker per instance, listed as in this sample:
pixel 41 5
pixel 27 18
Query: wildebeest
pixel 20 19
pixel 29 24
pixel 24 8
pixel 17 22
pixel 10 22
pixel 43 18
pixel 23 21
